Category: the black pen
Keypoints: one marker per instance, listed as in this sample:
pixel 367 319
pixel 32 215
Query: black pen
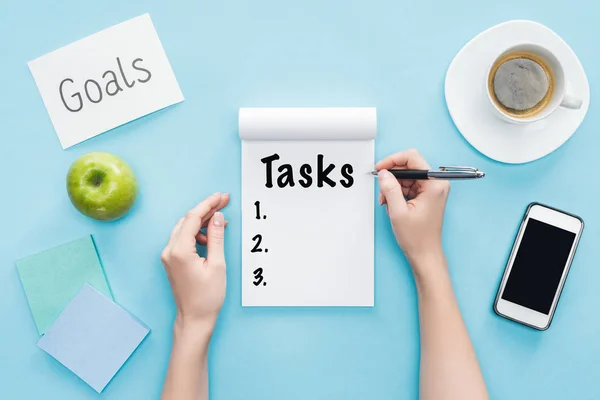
pixel 442 173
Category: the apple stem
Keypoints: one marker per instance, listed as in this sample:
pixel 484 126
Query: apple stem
pixel 96 177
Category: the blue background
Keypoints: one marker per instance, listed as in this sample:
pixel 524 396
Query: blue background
pixel 227 54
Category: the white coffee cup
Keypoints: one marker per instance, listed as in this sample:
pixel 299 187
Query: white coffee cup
pixel 560 96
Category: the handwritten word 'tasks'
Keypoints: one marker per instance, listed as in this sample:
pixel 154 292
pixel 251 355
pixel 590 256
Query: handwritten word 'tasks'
pixel 286 173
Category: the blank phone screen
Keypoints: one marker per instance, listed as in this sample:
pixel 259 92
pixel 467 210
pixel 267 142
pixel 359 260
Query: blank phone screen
pixel 539 264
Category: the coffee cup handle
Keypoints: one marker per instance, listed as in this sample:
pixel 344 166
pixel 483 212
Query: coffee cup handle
pixel 571 102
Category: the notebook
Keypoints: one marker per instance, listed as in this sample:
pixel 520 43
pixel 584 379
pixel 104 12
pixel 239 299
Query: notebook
pixel 53 277
pixel 93 337
pixel 307 206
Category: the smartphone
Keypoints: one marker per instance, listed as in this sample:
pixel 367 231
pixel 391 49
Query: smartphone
pixel 538 266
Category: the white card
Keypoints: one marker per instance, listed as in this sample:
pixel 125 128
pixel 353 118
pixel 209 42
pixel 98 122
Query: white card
pixel 310 244
pixel 105 80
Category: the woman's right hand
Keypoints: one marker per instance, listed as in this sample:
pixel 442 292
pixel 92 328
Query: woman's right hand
pixel 416 210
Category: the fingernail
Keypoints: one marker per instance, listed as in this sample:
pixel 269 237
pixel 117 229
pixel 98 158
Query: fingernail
pixel 218 219
pixel 380 199
pixel 216 194
pixel 225 194
pixel 384 174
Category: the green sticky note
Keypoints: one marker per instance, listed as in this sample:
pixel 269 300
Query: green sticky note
pixel 53 277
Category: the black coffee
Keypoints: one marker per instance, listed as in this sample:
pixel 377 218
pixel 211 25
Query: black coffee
pixel 521 84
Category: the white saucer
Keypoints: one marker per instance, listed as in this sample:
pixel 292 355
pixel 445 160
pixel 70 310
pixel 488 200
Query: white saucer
pixel 472 112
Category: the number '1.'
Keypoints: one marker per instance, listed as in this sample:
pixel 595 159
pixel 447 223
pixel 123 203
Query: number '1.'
pixel 257 205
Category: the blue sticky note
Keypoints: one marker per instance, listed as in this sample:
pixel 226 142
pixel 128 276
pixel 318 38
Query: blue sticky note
pixel 93 337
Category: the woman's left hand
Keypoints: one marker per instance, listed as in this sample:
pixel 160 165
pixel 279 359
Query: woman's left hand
pixel 198 283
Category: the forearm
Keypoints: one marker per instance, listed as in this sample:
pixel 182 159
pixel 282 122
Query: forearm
pixel 187 375
pixel 449 366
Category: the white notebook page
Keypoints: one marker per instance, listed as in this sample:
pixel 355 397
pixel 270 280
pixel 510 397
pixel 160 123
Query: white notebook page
pixel 310 242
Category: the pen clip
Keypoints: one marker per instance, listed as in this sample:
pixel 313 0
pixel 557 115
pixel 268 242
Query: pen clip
pixel 458 169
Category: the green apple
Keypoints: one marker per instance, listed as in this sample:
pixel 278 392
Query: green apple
pixel 102 186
